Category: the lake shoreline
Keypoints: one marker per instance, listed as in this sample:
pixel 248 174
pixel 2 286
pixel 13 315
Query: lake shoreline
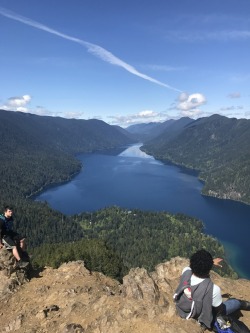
pixel 104 176
pixel 208 192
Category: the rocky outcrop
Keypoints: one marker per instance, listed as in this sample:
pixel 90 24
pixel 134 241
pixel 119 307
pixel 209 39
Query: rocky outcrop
pixel 71 299
pixel 10 277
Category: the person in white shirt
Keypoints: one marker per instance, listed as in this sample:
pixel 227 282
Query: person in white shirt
pixel 197 297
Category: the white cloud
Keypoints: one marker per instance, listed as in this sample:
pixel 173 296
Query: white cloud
pixel 188 104
pixel 74 115
pixel 231 108
pixel 165 68
pixel 21 104
pixel 145 116
pixel 191 113
pixel 22 109
pixel 194 36
pixel 19 101
pixel 183 97
pixel 240 78
pixel 234 95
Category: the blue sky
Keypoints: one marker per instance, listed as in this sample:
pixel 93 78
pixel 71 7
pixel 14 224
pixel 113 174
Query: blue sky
pixel 125 61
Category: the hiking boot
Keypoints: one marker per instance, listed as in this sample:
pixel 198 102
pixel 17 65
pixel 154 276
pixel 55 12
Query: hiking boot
pixel 244 305
pixel 22 264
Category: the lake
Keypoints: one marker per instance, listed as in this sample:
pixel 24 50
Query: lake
pixel 129 178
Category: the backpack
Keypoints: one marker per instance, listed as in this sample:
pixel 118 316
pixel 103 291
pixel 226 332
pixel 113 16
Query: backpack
pixel 218 329
pixel 5 224
pixel 235 326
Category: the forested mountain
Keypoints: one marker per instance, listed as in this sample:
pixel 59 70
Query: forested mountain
pixel 144 239
pixel 139 239
pixel 216 146
pixel 36 151
pixel 149 131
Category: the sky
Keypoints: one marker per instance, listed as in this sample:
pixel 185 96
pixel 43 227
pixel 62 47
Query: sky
pixel 125 61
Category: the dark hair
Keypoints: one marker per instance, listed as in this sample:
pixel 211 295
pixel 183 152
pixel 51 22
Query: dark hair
pixel 7 208
pixel 201 262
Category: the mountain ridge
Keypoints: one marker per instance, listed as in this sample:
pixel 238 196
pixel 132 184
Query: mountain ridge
pixel 217 147
pixel 148 131
pixel 46 147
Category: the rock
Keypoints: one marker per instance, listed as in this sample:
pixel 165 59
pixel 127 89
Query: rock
pixel 139 285
pixel 10 277
pixel 49 309
pixel 70 299
pixel 73 328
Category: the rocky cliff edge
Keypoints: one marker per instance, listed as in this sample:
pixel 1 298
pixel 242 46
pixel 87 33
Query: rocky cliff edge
pixel 72 299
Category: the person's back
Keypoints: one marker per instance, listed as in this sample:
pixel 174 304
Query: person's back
pixel 194 295
pixel 205 300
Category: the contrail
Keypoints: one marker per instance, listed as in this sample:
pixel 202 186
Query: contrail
pixel 96 50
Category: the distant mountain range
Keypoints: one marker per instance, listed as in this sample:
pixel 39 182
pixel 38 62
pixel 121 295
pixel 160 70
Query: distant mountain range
pixel 39 150
pixel 149 131
pixel 67 135
pixel 216 146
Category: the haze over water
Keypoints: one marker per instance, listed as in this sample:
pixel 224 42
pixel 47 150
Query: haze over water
pixel 129 178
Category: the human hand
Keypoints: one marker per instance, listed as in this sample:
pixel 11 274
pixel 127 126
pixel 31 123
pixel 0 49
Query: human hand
pixel 217 261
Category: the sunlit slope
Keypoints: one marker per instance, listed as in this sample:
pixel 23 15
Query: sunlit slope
pixel 218 147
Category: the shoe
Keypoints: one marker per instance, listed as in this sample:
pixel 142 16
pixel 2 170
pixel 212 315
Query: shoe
pixel 244 305
pixel 22 264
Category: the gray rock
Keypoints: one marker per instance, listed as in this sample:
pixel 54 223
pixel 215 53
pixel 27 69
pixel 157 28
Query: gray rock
pixel 10 277
pixel 73 328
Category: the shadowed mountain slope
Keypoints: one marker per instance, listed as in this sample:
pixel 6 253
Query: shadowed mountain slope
pixel 36 151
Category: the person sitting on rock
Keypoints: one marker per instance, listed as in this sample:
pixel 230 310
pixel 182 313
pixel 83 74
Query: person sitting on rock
pixel 11 239
pixel 198 297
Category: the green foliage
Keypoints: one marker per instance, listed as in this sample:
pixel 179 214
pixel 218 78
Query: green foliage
pixel 95 254
pixel 145 239
pixel 41 224
pixel 216 146
pixel 38 151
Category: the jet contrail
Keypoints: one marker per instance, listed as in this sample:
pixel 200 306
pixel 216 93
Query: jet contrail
pixel 96 50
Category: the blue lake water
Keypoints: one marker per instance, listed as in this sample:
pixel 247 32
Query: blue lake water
pixel 129 178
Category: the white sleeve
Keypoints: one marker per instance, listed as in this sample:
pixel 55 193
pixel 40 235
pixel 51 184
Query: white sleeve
pixel 217 299
pixel 185 269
